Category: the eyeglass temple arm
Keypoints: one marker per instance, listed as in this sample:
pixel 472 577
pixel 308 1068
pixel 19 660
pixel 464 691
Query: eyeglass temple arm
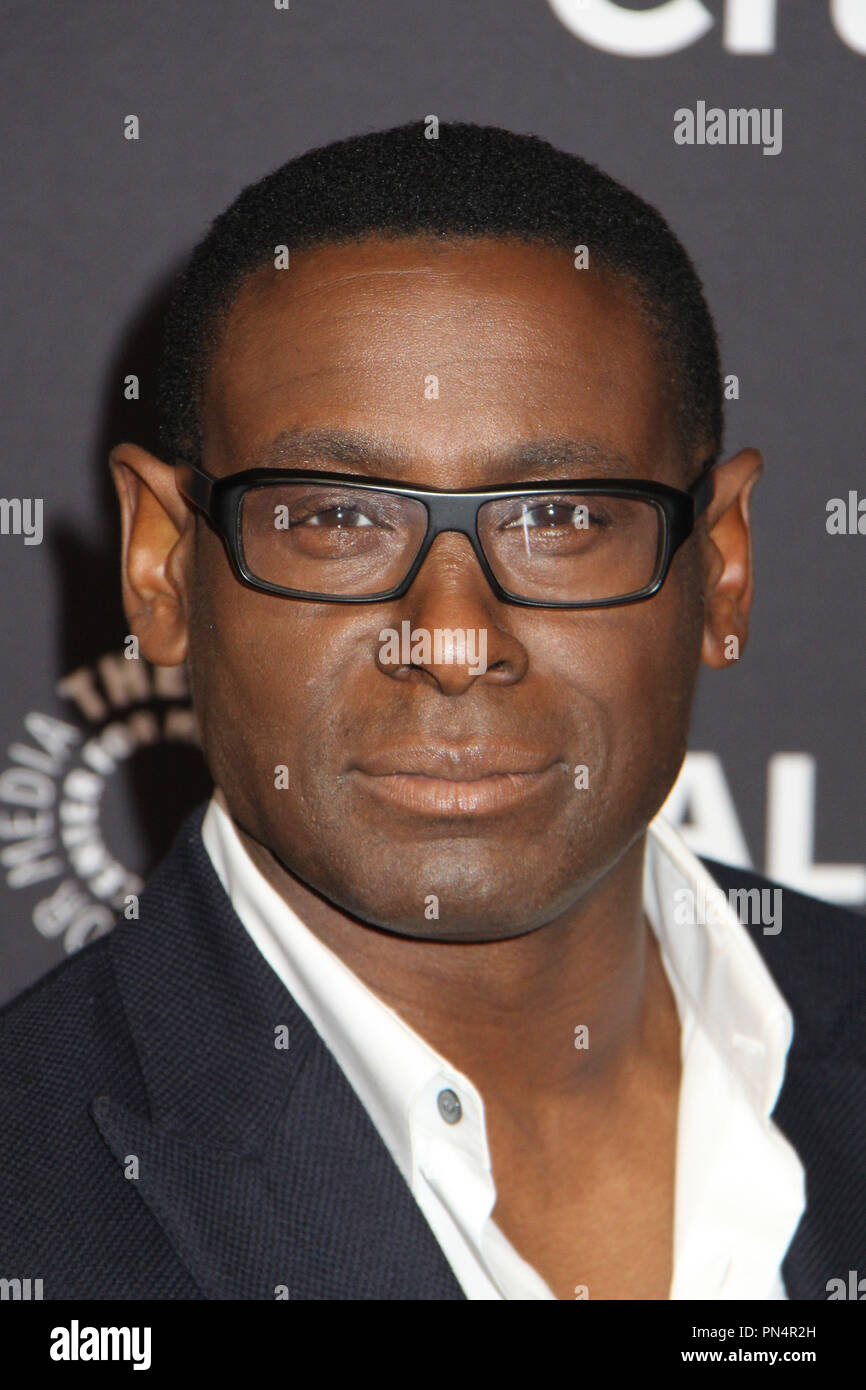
pixel 195 485
pixel 702 490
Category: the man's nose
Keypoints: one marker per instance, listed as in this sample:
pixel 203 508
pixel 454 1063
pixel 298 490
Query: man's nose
pixel 450 624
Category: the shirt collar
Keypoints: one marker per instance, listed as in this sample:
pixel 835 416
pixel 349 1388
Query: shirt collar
pixel 718 977
pixel 716 971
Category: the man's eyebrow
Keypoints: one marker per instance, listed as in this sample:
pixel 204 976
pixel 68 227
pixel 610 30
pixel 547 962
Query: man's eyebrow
pixel 363 453
pixel 587 456
pixel 312 446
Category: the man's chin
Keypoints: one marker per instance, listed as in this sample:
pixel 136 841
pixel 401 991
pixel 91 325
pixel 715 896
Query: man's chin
pixel 463 928
pixel 465 883
pixel 461 905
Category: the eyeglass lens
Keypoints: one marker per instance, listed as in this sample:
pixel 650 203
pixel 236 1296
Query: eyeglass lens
pixel 340 540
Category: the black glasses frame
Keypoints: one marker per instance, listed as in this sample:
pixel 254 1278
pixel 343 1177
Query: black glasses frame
pixel 220 499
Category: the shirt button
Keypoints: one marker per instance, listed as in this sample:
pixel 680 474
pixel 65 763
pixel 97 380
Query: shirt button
pixel 449 1106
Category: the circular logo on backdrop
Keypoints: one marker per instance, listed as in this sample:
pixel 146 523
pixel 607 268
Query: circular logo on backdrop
pixel 89 802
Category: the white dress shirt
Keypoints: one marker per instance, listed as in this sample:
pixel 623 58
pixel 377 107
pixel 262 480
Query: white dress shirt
pixel 739 1187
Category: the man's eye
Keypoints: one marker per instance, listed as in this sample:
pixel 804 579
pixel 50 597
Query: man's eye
pixel 554 514
pixel 550 514
pixel 335 516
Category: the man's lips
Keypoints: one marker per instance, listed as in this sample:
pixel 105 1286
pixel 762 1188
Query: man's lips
pixel 449 780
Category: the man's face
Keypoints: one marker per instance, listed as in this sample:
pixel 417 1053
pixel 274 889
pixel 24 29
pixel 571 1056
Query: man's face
pixel 525 347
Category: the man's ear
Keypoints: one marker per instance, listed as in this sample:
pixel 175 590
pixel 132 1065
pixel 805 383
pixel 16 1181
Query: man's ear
pixel 729 578
pixel 157 528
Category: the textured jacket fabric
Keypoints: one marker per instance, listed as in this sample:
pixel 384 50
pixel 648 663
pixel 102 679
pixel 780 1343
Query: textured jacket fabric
pixel 156 1143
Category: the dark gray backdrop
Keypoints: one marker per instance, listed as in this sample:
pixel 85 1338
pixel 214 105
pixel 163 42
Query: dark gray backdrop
pixel 95 224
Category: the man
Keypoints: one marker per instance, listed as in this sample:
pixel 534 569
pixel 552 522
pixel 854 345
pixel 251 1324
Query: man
pixel 412 1009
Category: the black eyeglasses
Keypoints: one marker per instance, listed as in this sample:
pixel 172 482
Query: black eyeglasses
pixel 342 538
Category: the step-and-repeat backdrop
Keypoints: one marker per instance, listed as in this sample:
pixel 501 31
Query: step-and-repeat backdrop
pixel 98 762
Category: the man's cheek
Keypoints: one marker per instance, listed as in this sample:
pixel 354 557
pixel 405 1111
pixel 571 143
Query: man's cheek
pixel 626 715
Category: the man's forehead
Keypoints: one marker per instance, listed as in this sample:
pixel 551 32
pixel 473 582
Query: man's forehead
pixel 326 287
pixel 568 372
pixel 399 255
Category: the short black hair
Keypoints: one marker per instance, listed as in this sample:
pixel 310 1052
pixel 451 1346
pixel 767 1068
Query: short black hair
pixel 473 181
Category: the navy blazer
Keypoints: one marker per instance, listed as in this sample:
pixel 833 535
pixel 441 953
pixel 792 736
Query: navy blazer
pixel 154 1143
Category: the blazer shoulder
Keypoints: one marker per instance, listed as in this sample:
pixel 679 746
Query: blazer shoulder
pixel 63 1039
pixel 75 1011
pixel 815 950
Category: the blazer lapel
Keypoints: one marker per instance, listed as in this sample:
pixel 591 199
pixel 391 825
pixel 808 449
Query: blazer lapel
pixel 822 1100
pixel 258 1161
